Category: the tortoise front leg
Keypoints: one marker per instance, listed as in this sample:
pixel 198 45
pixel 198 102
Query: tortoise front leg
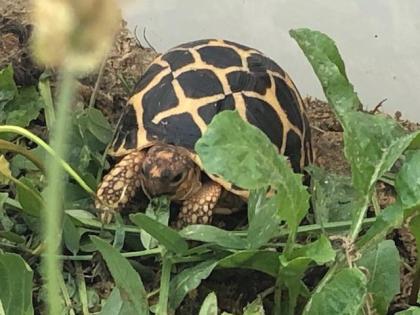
pixel 119 186
pixel 199 207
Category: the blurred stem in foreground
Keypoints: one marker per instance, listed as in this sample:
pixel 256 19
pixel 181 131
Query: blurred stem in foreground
pixel 55 191
pixel 72 36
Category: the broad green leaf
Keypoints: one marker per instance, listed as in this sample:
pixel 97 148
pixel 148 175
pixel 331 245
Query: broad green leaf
pixel 16 285
pixel 29 198
pixel 71 235
pixel 372 145
pixel 117 305
pixel 265 222
pixel 291 273
pixel 293 267
pixel 188 280
pixel 390 218
pixel 407 182
pixel 255 308
pixel 262 260
pixel 212 234
pixel 334 197
pixel 414 310
pixel 209 306
pixel 158 209
pixel 383 265
pixel 126 278
pixel 343 295
pixel 255 201
pixel 98 125
pixel 319 251
pixel 415 230
pixel 8 89
pixel 167 237
pixel 243 154
pixel 325 59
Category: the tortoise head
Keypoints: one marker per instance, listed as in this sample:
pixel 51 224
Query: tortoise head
pixel 169 170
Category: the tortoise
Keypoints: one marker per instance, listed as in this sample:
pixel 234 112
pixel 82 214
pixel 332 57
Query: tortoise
pixel 171 107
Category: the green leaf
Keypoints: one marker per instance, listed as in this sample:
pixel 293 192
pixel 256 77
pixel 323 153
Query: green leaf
pixel 265 221
pixel 343 295
pixel 334 197
pixel 12 237
pixel 414 310
pixel 71 235
pixel 29 198
pixel 319 251
pixel 98 125
pixel 390 218
pixel 212 234
pixel 16 285
pixel 126 278
pixel 243 154
pixel 325 59
pixel 372 145
pixel 255 308
pixel 415 230
pixel 157 209
pixel 383 265
pixel 8 89
pixel 293 267
pixel 262 260
pixel 167 237
pixel 117 305
pixel 188 280
pixel 407 182
pixel 24 108
pixel 209 306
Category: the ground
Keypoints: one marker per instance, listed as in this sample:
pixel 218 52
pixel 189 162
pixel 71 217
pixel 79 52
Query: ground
pixel 126 62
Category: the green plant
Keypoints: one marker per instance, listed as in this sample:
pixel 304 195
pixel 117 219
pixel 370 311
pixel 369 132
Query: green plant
pixel 362 266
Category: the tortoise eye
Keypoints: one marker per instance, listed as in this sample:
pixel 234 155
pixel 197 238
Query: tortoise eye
pixel 177 178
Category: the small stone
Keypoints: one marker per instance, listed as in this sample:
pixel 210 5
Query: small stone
pixel 129 174
pixel 206 208
pixel 194 218
pixel 205 219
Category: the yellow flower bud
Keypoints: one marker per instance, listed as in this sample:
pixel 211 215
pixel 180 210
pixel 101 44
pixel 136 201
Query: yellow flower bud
pixel 75 34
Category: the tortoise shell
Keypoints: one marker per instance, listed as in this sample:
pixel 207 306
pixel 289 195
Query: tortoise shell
pixel 183 89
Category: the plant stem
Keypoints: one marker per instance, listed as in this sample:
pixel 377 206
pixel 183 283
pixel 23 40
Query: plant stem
pixel 360 215
pixel 147 252
pixel 164 285
pixel 51 151
pixel 11 147
pixel 277 296
pixel 81 287
pixel 52 216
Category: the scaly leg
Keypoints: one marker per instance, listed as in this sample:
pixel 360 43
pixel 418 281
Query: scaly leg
pixel 199 207
pixel 119 186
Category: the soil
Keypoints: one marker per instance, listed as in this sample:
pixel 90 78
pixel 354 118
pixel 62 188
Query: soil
pixel 124 65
